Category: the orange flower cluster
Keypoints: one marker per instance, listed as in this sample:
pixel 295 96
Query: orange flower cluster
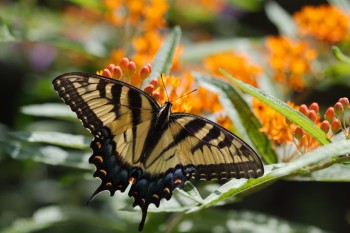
pixel 303 140
pixel 274 125
pixel 175 89
pixel 335 118
pixel 146 14
pixel 236 65
pixel 325 22
pixel 199 102
pixel 281 131
pixel 290 61
pixel 143 21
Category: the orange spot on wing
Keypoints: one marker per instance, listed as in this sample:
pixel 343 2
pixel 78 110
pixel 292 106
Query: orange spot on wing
pixel 99 158
pixel 167 190
pixel 178 181
pixel 104 172
pixel 132 180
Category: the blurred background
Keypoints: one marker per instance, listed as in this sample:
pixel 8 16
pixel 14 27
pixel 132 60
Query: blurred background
pixel 41 39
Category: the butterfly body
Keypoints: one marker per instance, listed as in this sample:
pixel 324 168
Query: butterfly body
pixel 138 142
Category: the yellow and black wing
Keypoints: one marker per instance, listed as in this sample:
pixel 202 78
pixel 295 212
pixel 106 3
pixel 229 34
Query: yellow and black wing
pixel 137 141
pixel 212 151
pixel 104 104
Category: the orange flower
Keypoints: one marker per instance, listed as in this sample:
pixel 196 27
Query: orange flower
pixel 143 21
pixel 274 125
pixel 175 87
pixel 290 61
pixel 224 121
pixel 236 65
pixel 200 102
pixel 136 12
pixel 146 46
pixel 323 22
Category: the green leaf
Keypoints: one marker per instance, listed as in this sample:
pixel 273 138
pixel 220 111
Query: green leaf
pixel 54 138
pixel 335 173
pixel 52 155
pixel 340 55
pixel 163 60
pixel 191 191
pixel 275 172
pixel 232 101
pixel 281 107
pixel 49 110
pixel 283 21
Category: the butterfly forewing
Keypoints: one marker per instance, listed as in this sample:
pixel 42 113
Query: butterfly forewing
pixel 100 101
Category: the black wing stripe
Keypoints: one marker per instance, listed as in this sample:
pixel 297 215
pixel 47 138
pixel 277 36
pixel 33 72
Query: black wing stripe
pixel 135 100
pixel 72 98
pixel 193 126
pixel 101 87
pixel 211 135
pixel 116 93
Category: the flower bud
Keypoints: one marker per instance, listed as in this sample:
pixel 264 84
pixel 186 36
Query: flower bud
pixel 124 63
pixel 154 82
pixel 117 72
pixel 335 126
pixel 312 115
pixel 111 68
pixel 132 68
pixel 150 68
pixel 304 110
pixel 144 72
pixel 107 73
pixel 338 108
pixel 149 89
pixel 325 126
pixel 298 133
pixel 155 95
pixel 330 114
pixel 314 106
pixel 345 102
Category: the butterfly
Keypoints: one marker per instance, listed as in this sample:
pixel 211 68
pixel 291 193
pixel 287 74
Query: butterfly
pixel 138 142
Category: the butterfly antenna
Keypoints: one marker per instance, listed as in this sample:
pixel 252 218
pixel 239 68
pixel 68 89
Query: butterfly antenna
pixel 166 93
pixel 184 95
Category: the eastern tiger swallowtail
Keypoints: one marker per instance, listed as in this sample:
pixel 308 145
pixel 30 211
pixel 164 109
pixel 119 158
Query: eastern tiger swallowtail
pixel 139 142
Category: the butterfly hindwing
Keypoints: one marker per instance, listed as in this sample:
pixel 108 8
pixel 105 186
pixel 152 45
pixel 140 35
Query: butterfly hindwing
pixel 140 143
